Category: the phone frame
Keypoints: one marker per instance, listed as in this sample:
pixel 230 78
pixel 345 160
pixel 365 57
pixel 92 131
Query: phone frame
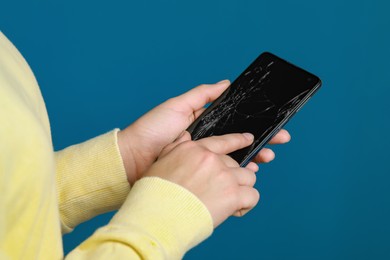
pixel 304 100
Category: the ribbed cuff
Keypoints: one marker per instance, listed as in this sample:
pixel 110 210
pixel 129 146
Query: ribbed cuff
pixel 171 214
pixel 91 179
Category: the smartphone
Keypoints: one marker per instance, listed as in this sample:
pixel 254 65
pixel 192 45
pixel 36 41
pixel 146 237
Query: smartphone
pixel 260 101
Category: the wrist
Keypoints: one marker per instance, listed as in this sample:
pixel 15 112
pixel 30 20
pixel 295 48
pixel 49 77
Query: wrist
pixel 127 155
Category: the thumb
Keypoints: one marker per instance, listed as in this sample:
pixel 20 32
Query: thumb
pixel 183 137
pixel 198 97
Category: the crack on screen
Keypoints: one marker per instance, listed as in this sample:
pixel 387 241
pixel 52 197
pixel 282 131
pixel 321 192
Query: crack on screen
pixel 247 107
pixel 233 107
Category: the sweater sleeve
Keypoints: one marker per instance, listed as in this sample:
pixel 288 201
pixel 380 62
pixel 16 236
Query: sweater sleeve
pixel 158 220
pixel 91 180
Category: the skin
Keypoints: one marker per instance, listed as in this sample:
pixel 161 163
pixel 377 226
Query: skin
pixel 200 166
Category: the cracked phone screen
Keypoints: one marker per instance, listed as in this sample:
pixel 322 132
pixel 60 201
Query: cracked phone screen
pixel 262 98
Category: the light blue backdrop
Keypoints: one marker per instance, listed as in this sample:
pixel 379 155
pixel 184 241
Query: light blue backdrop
pixel 102 64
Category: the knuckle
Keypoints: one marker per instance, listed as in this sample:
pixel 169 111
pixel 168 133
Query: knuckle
pixel 232 193
pixel 170 101
pixel 253 178
pixel 243 139
pixel 251 201
pixel 209 157
pixel 239 140
pixel 202 88
pixel 248 177
pixel 225 176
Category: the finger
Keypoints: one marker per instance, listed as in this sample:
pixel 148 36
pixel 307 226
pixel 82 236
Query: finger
pixel 228 143
pixel 198 97
pixel 229 161
pixel 252 166
pixel 199 112
pixel 196 114
pixel 245 177
pixel 249 197
pixel 283 136
pixel 184 136
pixel 264 156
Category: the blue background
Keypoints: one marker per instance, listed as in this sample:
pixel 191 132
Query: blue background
pixel 102 64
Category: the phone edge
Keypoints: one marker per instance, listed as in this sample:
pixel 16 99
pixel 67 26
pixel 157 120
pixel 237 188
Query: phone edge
pixel 249 158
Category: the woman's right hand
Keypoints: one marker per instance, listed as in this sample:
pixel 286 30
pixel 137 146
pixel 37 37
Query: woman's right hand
pixel 204 168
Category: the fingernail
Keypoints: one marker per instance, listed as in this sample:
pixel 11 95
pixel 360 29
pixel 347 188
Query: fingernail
pixel 222 81
pixel 248 136
pixel 271 154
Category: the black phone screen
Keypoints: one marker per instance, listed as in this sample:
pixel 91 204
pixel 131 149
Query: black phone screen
pixel 259 101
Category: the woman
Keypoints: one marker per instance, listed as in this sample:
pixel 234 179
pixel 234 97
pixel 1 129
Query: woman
pixel 165 206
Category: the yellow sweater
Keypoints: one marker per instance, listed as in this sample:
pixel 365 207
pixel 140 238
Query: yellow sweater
pixel 45 193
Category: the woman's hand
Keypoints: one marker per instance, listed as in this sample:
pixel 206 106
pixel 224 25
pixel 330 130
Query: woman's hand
pixel 203 168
